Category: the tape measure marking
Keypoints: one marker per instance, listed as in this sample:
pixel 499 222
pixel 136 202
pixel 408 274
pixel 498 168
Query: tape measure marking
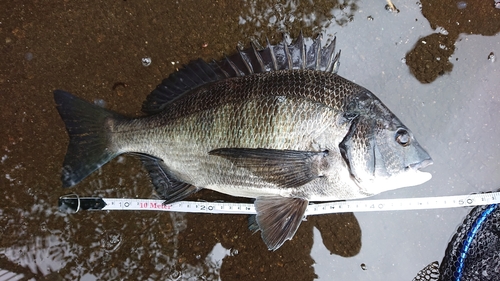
pixel 400 204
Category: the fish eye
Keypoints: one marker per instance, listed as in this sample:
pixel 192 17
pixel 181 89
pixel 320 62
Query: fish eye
pixel 403 137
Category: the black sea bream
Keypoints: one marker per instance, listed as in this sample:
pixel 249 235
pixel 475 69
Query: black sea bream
pixel 276 124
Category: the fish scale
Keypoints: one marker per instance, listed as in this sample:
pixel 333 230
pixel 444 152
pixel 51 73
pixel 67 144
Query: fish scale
pixel 283 137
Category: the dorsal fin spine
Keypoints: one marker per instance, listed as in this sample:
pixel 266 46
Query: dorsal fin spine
pixel 273 55
pixel 336 63
pixel 215 65
pixel 317 43
pixel 234 67
pixel 259 57
pixel 246 61
pixel 302 48
pixel 330 50
pixel 287 54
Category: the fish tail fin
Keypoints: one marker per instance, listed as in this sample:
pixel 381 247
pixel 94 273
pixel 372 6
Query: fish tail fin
pixel 89 145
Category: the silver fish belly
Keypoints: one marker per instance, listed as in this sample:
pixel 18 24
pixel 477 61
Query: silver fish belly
pixel 276 124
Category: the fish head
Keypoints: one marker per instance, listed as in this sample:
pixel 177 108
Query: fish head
pixel 382 154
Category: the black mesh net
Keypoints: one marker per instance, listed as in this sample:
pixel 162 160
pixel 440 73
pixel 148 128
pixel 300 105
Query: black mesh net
pixel 428 273
pixel 474 251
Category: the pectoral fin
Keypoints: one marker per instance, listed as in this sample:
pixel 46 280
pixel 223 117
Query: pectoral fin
pixel 278 218
pixel 286 168
pixel 165 184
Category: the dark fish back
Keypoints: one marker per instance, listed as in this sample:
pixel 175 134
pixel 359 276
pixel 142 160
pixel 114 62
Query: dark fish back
pixel 328 89
pixel 253 60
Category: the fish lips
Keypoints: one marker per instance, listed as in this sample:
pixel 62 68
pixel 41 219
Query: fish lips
pixel 421 164
pixel 418 176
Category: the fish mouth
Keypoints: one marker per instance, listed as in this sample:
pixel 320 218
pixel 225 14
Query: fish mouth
pixel 421 164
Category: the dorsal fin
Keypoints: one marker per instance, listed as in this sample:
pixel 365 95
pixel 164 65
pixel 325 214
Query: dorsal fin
pixel 301 54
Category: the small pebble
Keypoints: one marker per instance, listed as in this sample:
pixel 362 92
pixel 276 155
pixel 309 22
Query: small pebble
pixel 100 102
pixel 461 5
pixel 442 30
pixel 391 8
pixel 492 57
pixel 28 56
pixel 146 61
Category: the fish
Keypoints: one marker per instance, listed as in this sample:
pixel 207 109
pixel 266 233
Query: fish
pixel 275 123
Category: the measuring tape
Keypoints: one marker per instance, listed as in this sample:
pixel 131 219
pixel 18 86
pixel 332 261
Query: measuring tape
pixel 75 203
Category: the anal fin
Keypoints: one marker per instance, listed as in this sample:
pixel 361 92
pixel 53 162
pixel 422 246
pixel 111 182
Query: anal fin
pixel 278 218
pixel 165 184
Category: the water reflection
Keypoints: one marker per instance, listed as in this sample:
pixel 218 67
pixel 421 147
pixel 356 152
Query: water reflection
pixel 268 17
pixel 105 246
pixel 29 247
pixel 97 246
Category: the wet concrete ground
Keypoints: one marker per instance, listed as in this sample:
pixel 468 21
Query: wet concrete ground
pixel 94 50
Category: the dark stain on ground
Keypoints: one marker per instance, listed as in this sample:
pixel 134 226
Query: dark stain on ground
pixel 429 58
